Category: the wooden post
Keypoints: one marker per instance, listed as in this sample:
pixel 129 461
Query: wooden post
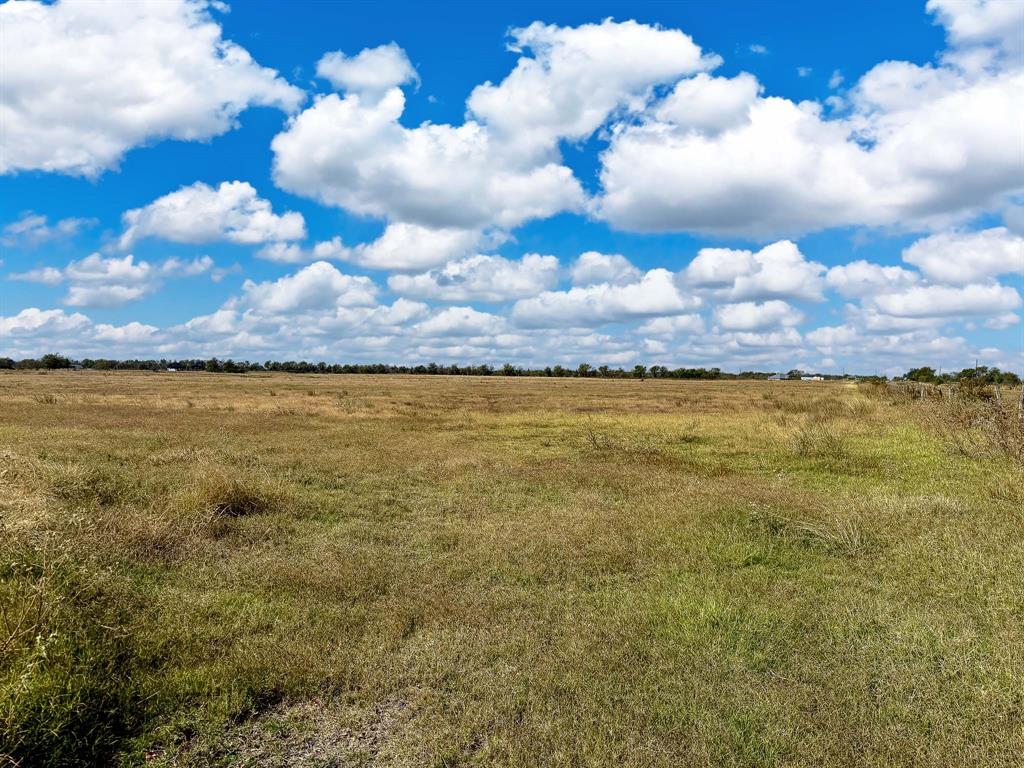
pixel 1020 403
pixel 999 396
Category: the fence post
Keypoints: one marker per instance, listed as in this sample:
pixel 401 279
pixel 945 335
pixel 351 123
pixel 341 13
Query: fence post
pixel 1020 403
pixel 999 396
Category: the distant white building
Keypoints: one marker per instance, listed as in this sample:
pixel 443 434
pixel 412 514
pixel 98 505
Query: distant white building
pixel 777 377
pixel 812 378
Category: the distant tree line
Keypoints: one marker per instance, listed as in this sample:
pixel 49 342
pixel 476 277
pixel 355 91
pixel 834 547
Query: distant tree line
pixel 981 374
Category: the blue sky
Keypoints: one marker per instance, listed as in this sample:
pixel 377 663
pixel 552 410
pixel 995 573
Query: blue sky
pixel 744 184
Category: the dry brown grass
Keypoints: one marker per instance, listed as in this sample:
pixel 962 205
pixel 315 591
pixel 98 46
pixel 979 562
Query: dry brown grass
pixel 286 570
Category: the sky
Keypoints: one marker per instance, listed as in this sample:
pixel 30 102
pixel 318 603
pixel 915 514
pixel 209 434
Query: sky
pixel 742 185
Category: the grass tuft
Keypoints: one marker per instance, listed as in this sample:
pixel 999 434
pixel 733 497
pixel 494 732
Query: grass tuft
pixel 821 440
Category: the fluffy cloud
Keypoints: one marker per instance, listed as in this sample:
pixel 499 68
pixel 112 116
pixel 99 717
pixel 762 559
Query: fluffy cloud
pixel 481 278
pixel 131 333
pixel 409 246
pixel 461 321
pixel 1005 320
pixel 175 267
pixel 293 253
pixel 99 282
pixel 777 270
pixel 33 229
pixel 96 281
pixel 592 268
pixel 862 278
pixel 400 247
pixel 371 72
pixel 981 22
pixel 750 316
pixel 920 145
pixel 34 331
pixel 578 76
pixel 709 104
pixel 354 154
pixel 85 82
pixel 959 258
pixel 44 275
pixel 654 294
pixel 48 323
pixel 502 166
pixel 316 287
pixel 111 295
pixel 947 301
pixel 200 214
pixel 897 351
pixel 673 326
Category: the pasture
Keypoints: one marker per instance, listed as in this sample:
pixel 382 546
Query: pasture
pixel 279 570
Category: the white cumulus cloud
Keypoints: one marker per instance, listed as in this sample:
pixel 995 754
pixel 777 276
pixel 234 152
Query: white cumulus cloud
pixel 481 278
pixel 33 229
pixel 592 268
pixel 84 82
pixel 315 287
pixel 947 301
pixel 778 270
pixel 959 258
pixel 371 72
pixel 751 316
pixel 862 278
pixel 656 293
pixel 98 281
pixel 919 145
pixel 200 213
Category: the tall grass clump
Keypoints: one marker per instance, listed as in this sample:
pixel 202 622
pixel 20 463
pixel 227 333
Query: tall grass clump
pixel 822 440
pixel 69 689
pixel 972 418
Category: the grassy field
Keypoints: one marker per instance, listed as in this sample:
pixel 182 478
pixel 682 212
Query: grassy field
pixel 270 570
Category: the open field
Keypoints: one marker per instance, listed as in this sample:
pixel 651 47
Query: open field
pixel 269 570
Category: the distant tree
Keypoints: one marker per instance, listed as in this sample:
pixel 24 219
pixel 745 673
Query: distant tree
pixel 1009 378
pixel 508 370
pixel 640 372
pixel 212 365
pixel 584 370
pixel 602 371
pixel 924 375
pixel 53 361
pixel 6 363
pixel 796 373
